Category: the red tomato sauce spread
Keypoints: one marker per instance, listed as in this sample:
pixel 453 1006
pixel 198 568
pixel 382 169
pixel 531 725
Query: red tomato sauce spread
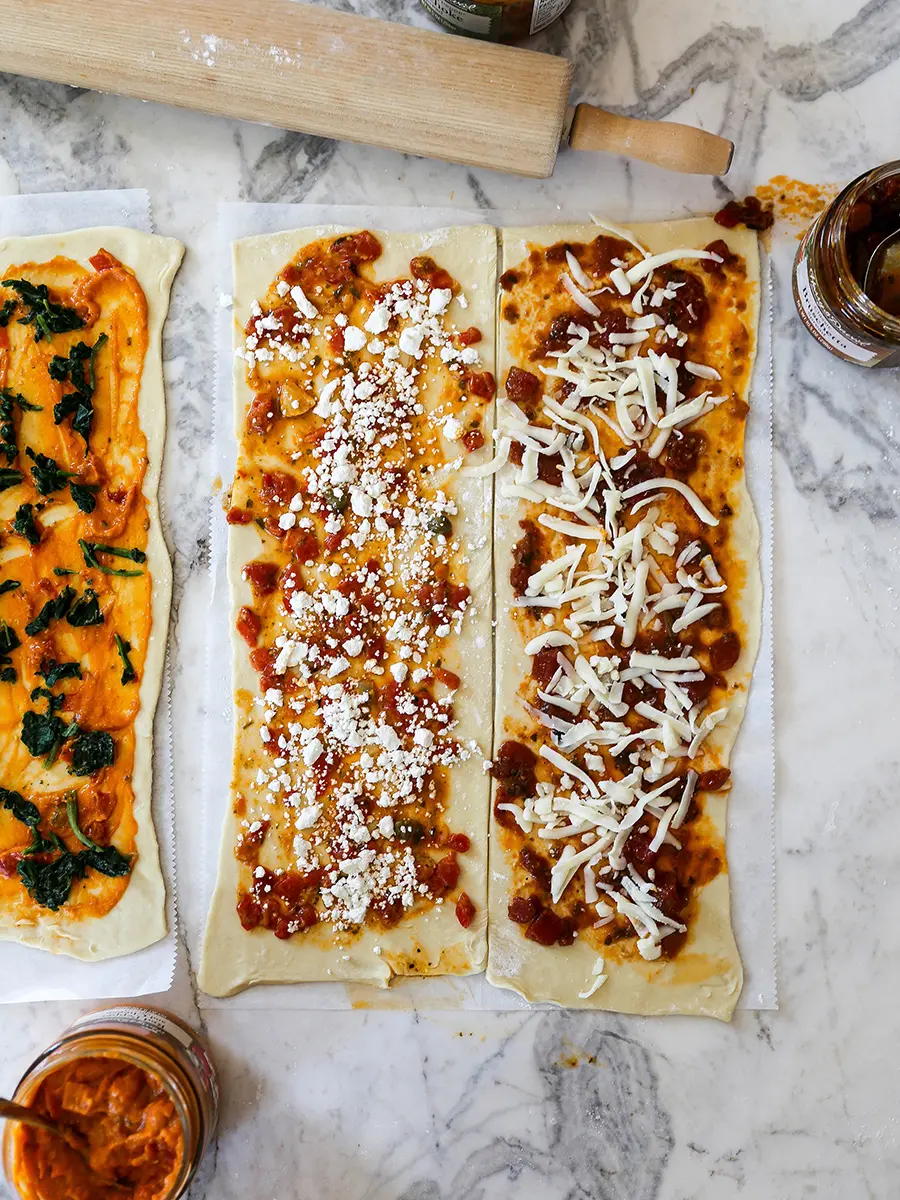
pixel 119 1116
pixel 356 589
pixel 601 791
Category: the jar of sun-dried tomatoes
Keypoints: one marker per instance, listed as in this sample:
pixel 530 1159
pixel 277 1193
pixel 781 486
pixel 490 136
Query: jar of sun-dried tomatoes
pixel 144 1085
pixel 500 21
pixel 851 310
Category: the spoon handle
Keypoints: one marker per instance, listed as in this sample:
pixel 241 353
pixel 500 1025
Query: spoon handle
pixel 18 1112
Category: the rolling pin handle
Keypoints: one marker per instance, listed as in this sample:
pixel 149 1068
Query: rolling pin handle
pixel 664 143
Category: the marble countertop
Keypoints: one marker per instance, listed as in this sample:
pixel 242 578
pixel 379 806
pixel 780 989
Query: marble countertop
pixel 368 1105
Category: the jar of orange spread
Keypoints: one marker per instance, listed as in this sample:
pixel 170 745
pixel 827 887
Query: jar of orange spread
pixel 131 1086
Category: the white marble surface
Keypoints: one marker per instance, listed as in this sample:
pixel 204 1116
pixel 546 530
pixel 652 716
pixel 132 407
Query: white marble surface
pixel 392 1106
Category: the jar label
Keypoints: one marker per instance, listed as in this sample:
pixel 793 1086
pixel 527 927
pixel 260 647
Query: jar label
pixel 154 1021
pixel 546 11
pixel 150 1019
pixel 820 324
pixel 467 17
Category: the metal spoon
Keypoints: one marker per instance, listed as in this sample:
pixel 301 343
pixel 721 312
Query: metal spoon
pixel 18 1112
pixel 881 281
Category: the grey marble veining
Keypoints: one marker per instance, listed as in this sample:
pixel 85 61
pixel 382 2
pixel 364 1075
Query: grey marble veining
pixel 372 1105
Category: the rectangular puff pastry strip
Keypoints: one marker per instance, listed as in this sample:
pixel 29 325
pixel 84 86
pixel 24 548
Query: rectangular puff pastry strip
pixel 705 976
pixel 426 943
pixel 138 919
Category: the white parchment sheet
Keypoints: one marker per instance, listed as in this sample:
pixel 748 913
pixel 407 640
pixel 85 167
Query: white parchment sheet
pixel 750 832
pixel 28 974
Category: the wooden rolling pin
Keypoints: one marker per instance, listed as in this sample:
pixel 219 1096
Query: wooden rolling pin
pixel 318 71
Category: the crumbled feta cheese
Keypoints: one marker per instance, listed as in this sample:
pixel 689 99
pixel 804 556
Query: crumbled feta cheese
pixel 439 299
pixel 354 339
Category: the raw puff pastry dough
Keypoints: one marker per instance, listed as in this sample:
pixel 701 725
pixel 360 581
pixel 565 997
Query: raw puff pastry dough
pixel 705 978
pixel 139 919
pixel 433 943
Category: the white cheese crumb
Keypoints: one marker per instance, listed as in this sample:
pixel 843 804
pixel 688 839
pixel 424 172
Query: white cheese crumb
pixel 354 339
pixel 312 752
pixel 379 319
pixel 308 816
pixel 304 305
pixel 438 300
pixel 411 340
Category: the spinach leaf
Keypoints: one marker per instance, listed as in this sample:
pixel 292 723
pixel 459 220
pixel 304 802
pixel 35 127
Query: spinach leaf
pixel 69 368
pixel 26 405
pixel 128 672
pixel 23 810
pixel 85 611
pixel 64 571
pixel 74 405
pixel 25 525
pixel 47 474
pixel 9 585
pixel 9 477
pixel 53 610
pixel 44 314
pixel 8 402
pixel 9 639
pixel 6 311
pixel 52 671
pixel 44 734
pixel 49 477
pixel 29 814
pixel 49 884
pixel 72 367
pixel 83 495
pixel 8 445
pixel 90 550
pixel 78 403
pixel 53 701
pixel 91 752
pixel 105 859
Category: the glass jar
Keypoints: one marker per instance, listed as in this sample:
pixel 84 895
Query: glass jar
pixel 154 1041
pixel 827 292
pixel 500 21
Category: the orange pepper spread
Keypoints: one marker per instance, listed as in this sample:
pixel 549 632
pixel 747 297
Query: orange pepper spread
pixel 75 588
pixel 120 1116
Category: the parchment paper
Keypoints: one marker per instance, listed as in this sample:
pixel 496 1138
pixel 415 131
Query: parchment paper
pixel 27 974
pixel 751 807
